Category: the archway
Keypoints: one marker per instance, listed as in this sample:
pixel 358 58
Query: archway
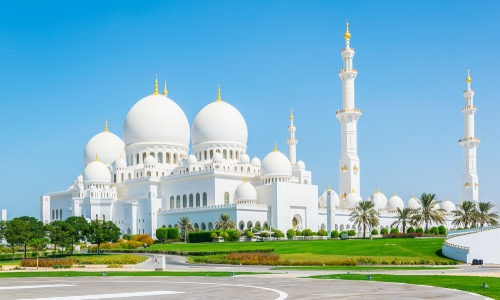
pixel 210 226
pixel 241 225
pixel 249 224
pixel 296 222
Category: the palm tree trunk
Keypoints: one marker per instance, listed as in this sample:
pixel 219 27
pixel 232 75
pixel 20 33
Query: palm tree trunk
pixel 426 226
pixel 364 230
pixel 404 227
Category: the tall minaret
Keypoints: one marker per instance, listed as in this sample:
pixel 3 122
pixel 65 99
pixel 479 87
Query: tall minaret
pixel 292 142
pixel 348 117
pixel 469 144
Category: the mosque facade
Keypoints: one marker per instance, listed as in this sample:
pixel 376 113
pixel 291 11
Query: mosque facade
pixel 152 178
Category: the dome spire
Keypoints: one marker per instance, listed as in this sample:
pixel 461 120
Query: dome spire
pixel 218 93
pixel 156 85
pixel 468 79
pixel 329 188
pixel 165 91
pixel 347 34
pixel 106 126
pixel 96 157
pixel 275 148
pixel 291 115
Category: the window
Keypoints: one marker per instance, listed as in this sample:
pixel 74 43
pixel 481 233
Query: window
pixel 204 199
pixel 226 198
pixel 248 169
pixel 175 158
pixel 143 157
pixel 57 214
pixel 203 227
pixel 122 177
pixel 53 214
pixel 104 217
pixel 60 214
pixel 191 200
pixel 129 176
pixel 211 154
pixel 224 154
pixel 152 154
pixel 160 158
pixel 236 154
pixel 172 202
pixel 114 177
pixel 198 200
pixel 231 154
pixel 205 154
pixel 184 201
pixel 167 158
pixel 137 161
pixel 148 174
pixel 178 202
pixel 96 216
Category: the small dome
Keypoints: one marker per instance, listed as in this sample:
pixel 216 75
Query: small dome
pixel 255 161
pixel 276 164
pixel 352 199
pixel 106 145
pixel 379 200
pixel 245 192
pixel 414 203
pixel 149 161
pixel 323 199
pixel 448 206
pixel 120 163
pixel 436 206
pixel 96 172
pixel 183 162
pixel 244 158
pixel 192 159
pixel 217 157
pixel 300 165
pixel 395 202
pixel 155 119
pixel 79 179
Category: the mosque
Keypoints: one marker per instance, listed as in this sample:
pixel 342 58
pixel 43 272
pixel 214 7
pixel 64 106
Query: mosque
pixel 152 178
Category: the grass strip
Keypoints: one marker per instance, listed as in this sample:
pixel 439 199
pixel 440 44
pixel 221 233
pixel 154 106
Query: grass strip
pixel 119 273
pixel 363 268
pixel 473 284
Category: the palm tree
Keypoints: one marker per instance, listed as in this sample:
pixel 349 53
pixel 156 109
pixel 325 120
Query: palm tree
pixel 465 213
pixel 224 222
pixel 364 213
pixel 483 215
pixel 427 212
pixel 186 226
pixel 404 216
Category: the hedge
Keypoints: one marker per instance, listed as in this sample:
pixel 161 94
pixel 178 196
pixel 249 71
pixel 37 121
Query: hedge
pixel 204 236
pixel 186 253
pixel 403 235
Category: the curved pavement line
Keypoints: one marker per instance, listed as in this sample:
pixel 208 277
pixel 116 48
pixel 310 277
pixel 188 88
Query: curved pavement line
pixel 282 295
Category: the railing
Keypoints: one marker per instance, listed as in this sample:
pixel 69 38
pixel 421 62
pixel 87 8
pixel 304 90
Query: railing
pixel 351 70
pixel 468 107
pixel 466 233
pixel 469 139
pixel 348 110
pixel 232 205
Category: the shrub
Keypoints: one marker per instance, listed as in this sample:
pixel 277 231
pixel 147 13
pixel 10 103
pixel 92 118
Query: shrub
pixel 410 230
pixel 307 232
pixel 419 230
pixel 322 232
pixel 334 234
pixel 249 234
pixel 162 234
pixel 278 234
pixel 47 262
pixel 264 234
pixel 460 228
pixel 143 239
pixel 213 235
pixel 351 232
pixel 384 231
pixel 127 236
pixel 394 230
pixel 172 233
pixel 109 259
pixel 298 233
pixel 290 233
pixel 235 236
pixel 442 229
pixel 114 266
pixel 403 235
pixel 224 235
pixel 374 232
pixel 434 230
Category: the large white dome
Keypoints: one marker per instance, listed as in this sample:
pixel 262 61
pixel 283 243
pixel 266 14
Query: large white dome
pixel 106 145
pixel 276 164
pixel 96 172
pixel 219 122
pixel 245 192
pixel 156 119
pixel 379 200
pixel 352 199
pixel 448 206
pixel 395 202
pixel 323 199
pixel 414 203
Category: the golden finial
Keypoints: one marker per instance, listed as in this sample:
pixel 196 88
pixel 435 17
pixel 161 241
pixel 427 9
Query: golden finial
pixel 394 193
pixel 218 94
pixel 275 148
pixel 353 190
pixel 96 157
pixel 106 126
pixel 291 115
pixel 413 195
pixel 347 34
pixel 375 191
pixel 378 190
pixel 165 91
pixel 468 79
pixel 156 85
pixel 329 188
pixel 244 179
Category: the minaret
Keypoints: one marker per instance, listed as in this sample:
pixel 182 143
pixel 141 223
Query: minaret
pixel 348 117
pixel 469 144
pixel 292 142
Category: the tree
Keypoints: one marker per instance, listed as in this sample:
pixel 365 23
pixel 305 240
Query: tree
pixel 101 231
pixel 484 216
pixel 80 229
pixel 364 213
pixel 465 213
pixel 404 216
pixel 36 229
pixel 186 226
pixel 161 234
pixel 428 213
pixel 16 232
pixel 60 233
pixel 38 244
pixel 224 222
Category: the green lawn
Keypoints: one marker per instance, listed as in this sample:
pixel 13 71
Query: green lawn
pixel 117 273
pixel 380 249
pixel 89 259
pixel 363 268
pixel 465 283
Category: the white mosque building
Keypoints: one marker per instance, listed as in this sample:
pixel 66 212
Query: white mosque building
pixel 152 178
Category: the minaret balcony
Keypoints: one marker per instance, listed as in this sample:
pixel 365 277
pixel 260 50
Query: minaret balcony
pixel 469 107
pixel 347 49
pixel 469 139
pixel 346 71
pixel 348 110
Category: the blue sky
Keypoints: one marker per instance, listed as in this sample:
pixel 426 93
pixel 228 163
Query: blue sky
pixel 66 67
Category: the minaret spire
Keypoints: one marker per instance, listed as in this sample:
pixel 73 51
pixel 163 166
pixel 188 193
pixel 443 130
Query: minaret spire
pixel 156 85
pixel 348 116
pixel 165 91
pixel 292 141
pixel 469 143
pixel 106 126
pixel 218 94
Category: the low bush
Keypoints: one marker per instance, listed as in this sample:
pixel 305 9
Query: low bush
pixel 235 236
pixel 374 232
pixel 403 235
pixel 213 235
pixel 249 234
pixel 307 232
pixel 322 232
pixel 351 232
pixel 419 230
pixel 334 234
pixel 290 233
pixel 254 258
pixel 143 239
pixel 384 231
pixel 410 230
pixel 298 233
pixel 441 229
pixel 394 230
pixel 127 236
pixel 47 262
pixel 434 230
pixel 278 234
pixel 264 234
pixel 109 259
pixel 460 228
pixel 114 266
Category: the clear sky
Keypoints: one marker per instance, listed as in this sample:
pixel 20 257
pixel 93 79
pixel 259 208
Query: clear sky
pixel 66 66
